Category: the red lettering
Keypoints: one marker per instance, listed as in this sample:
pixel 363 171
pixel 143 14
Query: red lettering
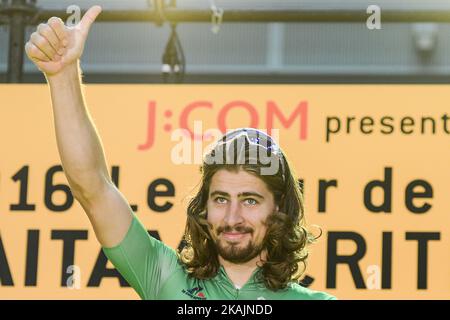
pixel 301 111
pixel 237 104
pixel 184 117
pixel 151 119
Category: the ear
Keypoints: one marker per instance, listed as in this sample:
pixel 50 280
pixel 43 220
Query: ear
pixel 204 214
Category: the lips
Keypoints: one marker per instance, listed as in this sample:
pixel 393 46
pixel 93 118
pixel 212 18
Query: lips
pixel 233 236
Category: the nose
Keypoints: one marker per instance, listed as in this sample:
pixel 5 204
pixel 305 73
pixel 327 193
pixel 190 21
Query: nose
pixel 233 215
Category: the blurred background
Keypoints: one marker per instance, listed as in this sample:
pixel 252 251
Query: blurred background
pixel 257 41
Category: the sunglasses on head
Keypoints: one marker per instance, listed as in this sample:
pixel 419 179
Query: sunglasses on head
pixel 257 138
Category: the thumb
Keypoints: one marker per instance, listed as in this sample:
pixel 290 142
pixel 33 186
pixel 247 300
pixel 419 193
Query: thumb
pixel 89 18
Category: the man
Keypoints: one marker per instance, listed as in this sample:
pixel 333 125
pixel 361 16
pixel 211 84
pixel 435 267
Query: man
pixel 245 234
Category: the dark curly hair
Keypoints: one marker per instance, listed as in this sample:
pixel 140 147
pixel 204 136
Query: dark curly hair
pixel 286 238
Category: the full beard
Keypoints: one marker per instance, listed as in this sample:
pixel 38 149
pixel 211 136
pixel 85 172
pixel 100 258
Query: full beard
pixel 233 251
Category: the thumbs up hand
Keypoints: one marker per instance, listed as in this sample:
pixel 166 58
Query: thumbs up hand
pixel 54 46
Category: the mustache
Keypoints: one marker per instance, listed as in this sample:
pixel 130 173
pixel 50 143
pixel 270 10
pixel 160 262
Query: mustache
pixel 240 229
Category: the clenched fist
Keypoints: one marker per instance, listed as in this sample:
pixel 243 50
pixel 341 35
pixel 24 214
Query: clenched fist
pixel 54 46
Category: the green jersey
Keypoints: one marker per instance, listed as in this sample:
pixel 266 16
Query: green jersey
pixel 155 272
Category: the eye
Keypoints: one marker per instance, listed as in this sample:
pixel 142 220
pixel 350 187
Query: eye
pixel 250 201
pixel 220 200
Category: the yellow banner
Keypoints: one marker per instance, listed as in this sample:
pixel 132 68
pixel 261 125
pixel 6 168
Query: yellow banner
pixel 374 160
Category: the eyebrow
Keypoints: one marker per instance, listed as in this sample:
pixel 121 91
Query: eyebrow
pixel 242 194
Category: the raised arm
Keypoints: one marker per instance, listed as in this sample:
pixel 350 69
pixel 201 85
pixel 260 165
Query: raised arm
pixel 56 49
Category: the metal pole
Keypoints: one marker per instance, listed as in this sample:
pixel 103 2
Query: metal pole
pixel 16 40
pixel 18 12
pixel 173 15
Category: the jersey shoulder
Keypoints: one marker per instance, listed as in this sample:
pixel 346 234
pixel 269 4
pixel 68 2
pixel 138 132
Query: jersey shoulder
pixel 297 292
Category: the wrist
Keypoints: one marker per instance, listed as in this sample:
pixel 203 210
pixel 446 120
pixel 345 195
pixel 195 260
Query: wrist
pixel 68 72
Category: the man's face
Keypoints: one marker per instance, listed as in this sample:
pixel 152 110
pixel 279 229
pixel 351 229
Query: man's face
pixel 238 206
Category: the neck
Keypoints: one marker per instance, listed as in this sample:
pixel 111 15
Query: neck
pixel 239 274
